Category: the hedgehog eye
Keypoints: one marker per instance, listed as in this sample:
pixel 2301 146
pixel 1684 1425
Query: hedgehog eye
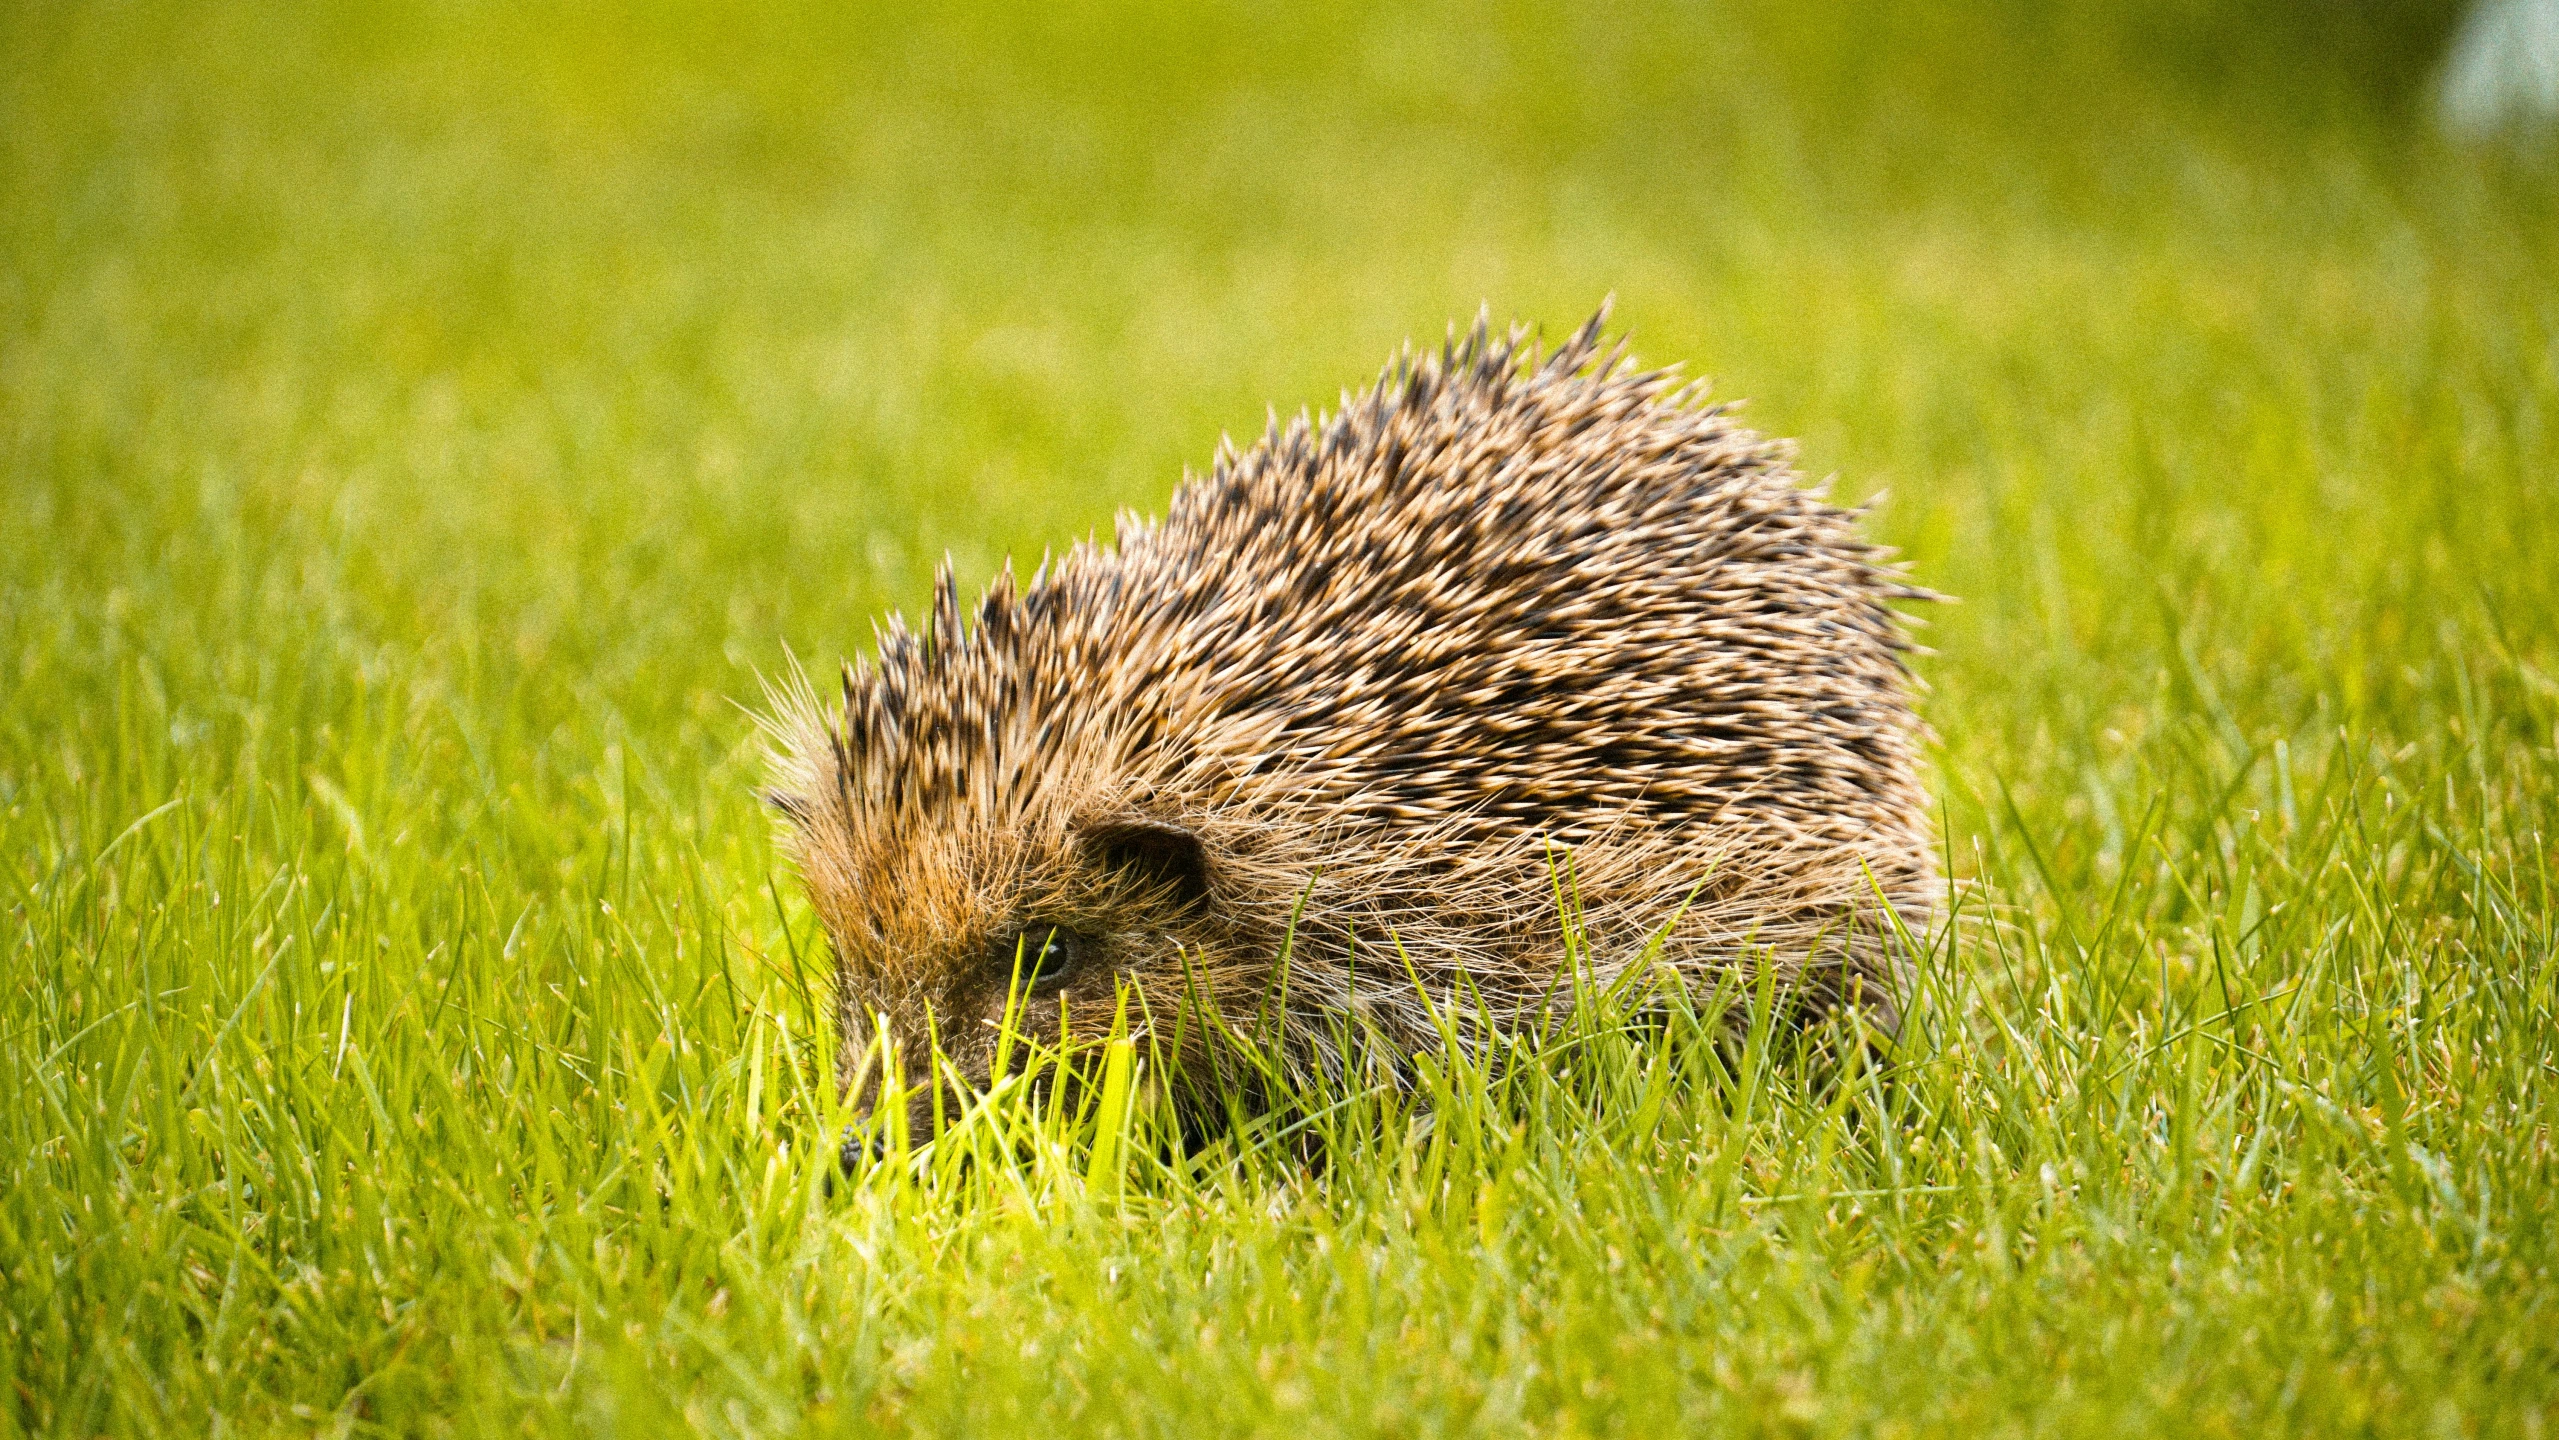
pixel 1044 955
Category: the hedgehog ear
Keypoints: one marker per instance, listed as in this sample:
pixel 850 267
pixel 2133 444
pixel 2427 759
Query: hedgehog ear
pixel 1165 859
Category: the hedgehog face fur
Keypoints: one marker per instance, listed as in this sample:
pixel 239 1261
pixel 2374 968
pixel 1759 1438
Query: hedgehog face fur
pixel 1370 695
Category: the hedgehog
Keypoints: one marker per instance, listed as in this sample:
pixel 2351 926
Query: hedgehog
pixel 1524 660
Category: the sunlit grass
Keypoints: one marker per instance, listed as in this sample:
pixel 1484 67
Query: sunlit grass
pixel 420 431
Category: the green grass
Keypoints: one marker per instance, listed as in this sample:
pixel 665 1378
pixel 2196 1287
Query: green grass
pixel 419 430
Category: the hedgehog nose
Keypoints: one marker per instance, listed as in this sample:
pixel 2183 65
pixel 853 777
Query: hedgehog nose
pixel 867 1142
pixel 864 1147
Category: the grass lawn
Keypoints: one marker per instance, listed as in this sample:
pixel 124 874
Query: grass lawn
pixel 420 430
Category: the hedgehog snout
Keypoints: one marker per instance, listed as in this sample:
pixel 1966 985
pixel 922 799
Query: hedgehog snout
pixel 870 1138
pixel 867 1142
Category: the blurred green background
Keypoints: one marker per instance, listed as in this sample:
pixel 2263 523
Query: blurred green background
pixel 421 427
